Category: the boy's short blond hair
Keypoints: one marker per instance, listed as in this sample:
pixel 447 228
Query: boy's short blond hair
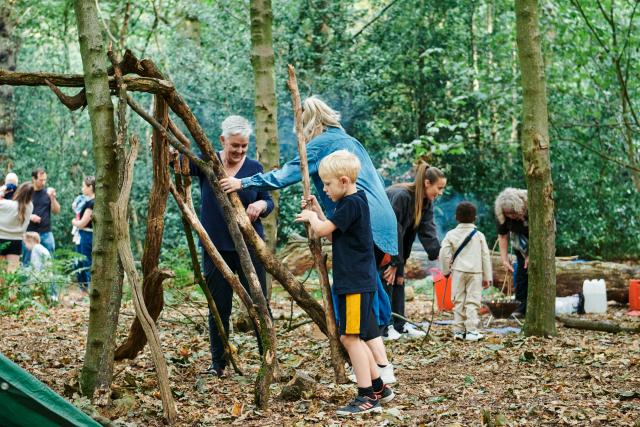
pixel 32 236
pixel 340 163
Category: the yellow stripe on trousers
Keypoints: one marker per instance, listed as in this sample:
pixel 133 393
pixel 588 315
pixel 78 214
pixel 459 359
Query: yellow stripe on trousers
pixel 353 314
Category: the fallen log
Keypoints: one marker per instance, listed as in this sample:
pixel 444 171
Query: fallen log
pixel 593 325
pixel 569 273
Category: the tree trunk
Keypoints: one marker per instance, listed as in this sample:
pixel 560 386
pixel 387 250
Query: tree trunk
pixel 592 325
pixel 106 285
pixel 537 168
pixel 8 53
pixel 266 107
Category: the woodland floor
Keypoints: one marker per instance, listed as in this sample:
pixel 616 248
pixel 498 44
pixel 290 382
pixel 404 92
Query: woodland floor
pixel 576 378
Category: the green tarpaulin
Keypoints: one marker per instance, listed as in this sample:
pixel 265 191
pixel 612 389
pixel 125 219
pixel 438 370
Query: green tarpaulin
pixel 25 401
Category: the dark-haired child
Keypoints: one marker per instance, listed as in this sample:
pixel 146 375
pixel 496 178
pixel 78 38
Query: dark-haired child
pixel 465 255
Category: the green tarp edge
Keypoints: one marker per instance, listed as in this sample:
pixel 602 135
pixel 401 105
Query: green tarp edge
pixel 24 399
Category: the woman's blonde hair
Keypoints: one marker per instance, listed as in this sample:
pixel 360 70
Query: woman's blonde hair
pixel 340 163
pixel 317 116
pixel 423 172
pixel 510 200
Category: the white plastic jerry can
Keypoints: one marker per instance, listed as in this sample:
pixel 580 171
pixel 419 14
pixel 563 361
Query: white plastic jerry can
pixel 595 296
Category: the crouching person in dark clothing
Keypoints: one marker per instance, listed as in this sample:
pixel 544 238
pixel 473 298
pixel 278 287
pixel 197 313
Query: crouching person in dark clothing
pixel 235 141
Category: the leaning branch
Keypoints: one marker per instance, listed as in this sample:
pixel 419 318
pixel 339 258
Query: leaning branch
pixel 133 83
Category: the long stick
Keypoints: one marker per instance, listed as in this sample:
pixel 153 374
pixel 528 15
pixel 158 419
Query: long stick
pixel 314 242
pixel 119 212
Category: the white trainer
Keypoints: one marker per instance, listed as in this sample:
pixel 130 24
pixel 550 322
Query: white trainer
pixel 412 331
pixel 392 334
pixel 458 335
pixel 387 375
pixel 473 336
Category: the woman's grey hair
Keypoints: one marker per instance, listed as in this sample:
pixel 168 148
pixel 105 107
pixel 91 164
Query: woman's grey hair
pixel 236 125
pixel 510 200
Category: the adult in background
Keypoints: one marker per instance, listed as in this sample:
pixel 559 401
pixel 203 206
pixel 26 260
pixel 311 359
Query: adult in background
pixel 84 223
pixel 324 135
pixel 14 219
pixel 45 203
pixel 258 204
pixel 413 206
pixel 512 216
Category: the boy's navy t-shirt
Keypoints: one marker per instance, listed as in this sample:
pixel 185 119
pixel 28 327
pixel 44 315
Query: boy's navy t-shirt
pixel 354 266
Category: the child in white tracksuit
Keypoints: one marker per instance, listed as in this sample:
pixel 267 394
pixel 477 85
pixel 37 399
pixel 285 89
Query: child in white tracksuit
pixel 471 270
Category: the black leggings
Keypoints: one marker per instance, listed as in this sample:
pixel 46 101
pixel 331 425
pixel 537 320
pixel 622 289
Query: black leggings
pixel 222 294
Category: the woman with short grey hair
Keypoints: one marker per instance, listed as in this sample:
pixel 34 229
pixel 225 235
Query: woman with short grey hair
pixel 234 138
pixel 512 217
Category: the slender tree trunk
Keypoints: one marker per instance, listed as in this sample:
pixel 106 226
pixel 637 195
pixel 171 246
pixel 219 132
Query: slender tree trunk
pixel 106 286
pixel 537 166
pixel 8 53
pixel 266 107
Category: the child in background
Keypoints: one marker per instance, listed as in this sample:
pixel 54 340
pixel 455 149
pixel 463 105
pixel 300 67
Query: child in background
pixel 77 205
pixel 465 255
pixel 10 185
pixel 40 258
pixel 354 274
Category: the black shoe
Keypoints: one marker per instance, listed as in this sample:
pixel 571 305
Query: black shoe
pixel 385 395
pixel 216 370
pixel 360 405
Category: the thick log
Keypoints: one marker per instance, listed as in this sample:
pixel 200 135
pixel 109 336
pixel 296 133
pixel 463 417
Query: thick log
pixel 593 325
pixel 569 274
pixel 134 83
pixel 315 245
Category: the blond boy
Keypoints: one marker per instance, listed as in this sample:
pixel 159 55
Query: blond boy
pixel 354 273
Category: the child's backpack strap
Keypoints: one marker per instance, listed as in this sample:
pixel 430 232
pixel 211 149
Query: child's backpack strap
pixel 464 243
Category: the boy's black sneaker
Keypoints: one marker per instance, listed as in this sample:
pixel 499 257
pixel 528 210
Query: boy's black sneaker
pixel 216 370
pixel 385 395
pixel 360 405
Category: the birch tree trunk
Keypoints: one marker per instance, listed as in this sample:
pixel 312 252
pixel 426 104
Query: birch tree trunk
pixel 8 53
pixel 266 106
pixel 537 166
pixel 106 285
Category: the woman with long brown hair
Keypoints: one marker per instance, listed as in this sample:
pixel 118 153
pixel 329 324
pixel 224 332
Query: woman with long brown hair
pixel 14 220
pixel 413 205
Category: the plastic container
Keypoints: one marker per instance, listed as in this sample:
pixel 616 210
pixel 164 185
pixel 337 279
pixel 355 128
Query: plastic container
pixel 595 296
pixel 634 294
pixel 442 287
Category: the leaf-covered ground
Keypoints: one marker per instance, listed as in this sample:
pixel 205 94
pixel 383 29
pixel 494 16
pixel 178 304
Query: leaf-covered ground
pixel 576 378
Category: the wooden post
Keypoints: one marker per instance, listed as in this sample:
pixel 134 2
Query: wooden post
pixel 337 361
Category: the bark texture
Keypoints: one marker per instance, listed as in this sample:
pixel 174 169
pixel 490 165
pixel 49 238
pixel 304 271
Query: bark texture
pixel 119 212
pixel 106 286
pixel 537 167
pixel 266 106
pixel 315 246
pixel 153 276
pixel 8 52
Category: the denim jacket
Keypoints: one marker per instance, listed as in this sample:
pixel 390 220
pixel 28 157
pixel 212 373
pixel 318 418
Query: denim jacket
pixel 383 219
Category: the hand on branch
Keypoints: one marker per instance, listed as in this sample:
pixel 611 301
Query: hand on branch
pixel 230 184
pixel 255 209
pixel 311 203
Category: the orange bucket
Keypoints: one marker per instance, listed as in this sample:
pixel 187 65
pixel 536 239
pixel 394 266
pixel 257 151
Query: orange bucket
pixel 634 294
pixel 442 287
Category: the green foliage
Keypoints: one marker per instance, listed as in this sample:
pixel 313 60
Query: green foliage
pixel 26 287
pixel 428 79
